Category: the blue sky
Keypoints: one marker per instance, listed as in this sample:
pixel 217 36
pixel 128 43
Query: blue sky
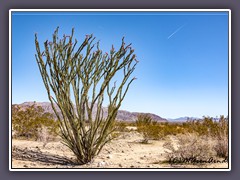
pixel 183 68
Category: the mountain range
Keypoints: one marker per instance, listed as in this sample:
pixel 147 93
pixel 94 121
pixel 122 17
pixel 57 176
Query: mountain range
pixel 186 118
pixel 121 116
pixel 182 119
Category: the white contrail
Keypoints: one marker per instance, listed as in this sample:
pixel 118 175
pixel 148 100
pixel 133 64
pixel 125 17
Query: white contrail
pixel 176 31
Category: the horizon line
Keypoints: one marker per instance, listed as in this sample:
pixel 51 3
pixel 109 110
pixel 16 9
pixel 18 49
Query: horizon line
pixel 167 118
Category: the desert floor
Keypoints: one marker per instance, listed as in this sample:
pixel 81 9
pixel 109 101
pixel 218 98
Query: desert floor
pixel 126 151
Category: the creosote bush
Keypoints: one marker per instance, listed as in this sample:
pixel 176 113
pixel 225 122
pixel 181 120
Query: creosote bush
pixel 84 76
pixel 120 126
pixel 29 123
pixel 147 127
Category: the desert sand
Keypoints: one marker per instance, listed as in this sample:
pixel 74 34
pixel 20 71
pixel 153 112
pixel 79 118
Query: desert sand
pixel 126 151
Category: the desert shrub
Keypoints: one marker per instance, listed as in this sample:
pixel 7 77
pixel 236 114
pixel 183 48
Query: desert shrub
pixel 216 130
pixel 148 128
pixel 221 147
pixel 120 126
pixel 201 140
pixel 206 126
pixel 33 123
pixel 172 129
pixel 221 137
pixel 155 131
pixel 166 129
pixel 143 120
pixel 189 148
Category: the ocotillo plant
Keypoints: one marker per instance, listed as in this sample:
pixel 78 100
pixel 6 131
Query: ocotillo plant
pixel 82 78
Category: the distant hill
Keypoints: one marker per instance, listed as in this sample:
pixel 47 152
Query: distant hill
pixel 182 119
pixel 121 116
pixel 186 118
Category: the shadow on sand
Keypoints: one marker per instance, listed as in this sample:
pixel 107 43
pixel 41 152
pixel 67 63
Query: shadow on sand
pixel 38 156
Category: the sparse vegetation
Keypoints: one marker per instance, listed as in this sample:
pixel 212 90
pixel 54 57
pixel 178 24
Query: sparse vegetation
pixel 221 137
pixel 120 126
pixel 147 127
pixel 190 147
pixel 197 140
pixel 33 123
pixel 185 144
pixel 201 140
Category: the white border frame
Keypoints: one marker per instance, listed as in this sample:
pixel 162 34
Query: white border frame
pixel 118 10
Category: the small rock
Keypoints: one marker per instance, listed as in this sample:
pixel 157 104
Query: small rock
pixel 101 164
pixel 109 156
pixel 122 151
pixel 120 165
pixel 131 166
pixel 25 166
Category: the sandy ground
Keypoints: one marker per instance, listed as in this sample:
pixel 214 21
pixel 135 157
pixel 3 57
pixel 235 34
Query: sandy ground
pixel 126 151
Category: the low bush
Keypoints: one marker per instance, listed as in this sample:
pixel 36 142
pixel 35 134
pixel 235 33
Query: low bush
pixel 120 126
pixel 221 138
pixel 33 123
pixel 199 140
pixel 190 148
pixel 216 130
pixel 148 128
pixel 195 140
